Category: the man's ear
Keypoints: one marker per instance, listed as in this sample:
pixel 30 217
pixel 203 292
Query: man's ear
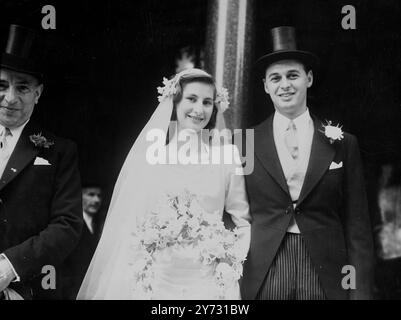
pixel 265 86
pixel 38 92
pixel 310 78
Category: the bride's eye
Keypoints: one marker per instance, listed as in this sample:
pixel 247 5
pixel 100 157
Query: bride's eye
pixel 208 103
pixel 191 99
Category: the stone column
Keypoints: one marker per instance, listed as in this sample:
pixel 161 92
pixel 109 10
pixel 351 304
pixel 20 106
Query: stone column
pixel 228 53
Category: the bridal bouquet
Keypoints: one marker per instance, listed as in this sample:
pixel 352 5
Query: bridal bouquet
pixel 181 222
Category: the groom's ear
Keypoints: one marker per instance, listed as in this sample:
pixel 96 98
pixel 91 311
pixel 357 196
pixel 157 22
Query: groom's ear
pixel 310 78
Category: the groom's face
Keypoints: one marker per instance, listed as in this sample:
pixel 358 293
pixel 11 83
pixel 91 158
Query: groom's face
pixel 287 82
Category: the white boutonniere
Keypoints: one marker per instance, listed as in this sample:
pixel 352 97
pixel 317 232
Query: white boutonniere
pixel 334 133
pixel 40 141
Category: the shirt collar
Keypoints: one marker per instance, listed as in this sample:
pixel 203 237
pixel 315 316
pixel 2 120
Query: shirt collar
pixel 281 122
pixel 88 220
pixel 15 132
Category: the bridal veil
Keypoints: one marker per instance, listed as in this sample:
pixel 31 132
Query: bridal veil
pixel 108 274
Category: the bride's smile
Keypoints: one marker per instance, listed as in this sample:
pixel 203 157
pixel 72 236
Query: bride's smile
pixel 196 106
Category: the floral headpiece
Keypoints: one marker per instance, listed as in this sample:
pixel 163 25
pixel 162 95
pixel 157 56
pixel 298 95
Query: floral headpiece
pixel 170 88
pixel 222 99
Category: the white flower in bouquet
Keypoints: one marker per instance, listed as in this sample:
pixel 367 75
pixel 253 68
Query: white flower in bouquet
pixel 213 219
pixel 195 208
pixel 239 250
pixel 182 208
pixel 194 225
pixel 225 273
pixel 150 236
pixel 205 232
pixel 165 213
pixel 173 229
pixel 210 251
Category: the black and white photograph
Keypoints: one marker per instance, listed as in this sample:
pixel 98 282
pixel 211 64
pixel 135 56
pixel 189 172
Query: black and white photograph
pixel 200 150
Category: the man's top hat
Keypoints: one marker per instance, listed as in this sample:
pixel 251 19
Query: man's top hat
pixel 284 47
pixel 23 51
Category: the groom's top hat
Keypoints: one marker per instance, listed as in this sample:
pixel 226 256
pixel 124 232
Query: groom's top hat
pixel 22 51
pixel 284 47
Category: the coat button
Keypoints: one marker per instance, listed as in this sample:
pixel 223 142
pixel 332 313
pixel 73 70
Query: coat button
pixel 297 210
pixel 288 210
pixel 1 201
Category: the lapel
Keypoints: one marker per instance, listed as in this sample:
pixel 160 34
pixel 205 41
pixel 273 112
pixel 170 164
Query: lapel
pixel 266 152
pixel 22 155
pixel 322 154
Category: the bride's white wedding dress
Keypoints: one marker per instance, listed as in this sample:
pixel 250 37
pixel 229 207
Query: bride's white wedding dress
pixel 140 188
pixel 179 273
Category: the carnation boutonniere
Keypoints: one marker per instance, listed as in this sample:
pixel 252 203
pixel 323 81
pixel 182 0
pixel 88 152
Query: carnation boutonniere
pixel 334 133
pixel 40 141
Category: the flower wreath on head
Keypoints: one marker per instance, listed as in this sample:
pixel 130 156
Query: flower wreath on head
pixel 170 88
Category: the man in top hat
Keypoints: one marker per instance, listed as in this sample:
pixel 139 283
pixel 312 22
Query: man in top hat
pixel 40 193
pixel 307 195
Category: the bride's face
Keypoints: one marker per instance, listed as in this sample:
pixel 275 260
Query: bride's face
pixel 196 106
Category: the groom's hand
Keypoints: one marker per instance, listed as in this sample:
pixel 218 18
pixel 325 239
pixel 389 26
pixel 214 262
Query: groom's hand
pixel 6 274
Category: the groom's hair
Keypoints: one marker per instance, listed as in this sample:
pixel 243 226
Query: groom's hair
pixel 307 67
pixel 184 80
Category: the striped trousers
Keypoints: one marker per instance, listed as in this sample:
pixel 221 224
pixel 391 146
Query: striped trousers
pixel 292 275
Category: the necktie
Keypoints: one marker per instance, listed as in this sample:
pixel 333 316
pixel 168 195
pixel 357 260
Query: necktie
pixel 3 138
pixel 291 140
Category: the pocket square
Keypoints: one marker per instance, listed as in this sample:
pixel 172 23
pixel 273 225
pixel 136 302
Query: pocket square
pixel 41 162
pixel 334 165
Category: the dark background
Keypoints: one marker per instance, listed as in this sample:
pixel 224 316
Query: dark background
pixel 105 60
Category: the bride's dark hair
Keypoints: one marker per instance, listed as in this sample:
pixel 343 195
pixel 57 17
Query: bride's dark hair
pixel 183 81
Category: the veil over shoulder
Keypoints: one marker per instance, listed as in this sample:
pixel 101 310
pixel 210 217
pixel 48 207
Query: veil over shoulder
pixel 104 279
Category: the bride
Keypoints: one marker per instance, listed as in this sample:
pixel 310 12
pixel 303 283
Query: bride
pixel 164 237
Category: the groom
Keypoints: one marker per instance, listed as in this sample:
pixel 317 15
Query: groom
pixel 40 193
pixel 307 195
